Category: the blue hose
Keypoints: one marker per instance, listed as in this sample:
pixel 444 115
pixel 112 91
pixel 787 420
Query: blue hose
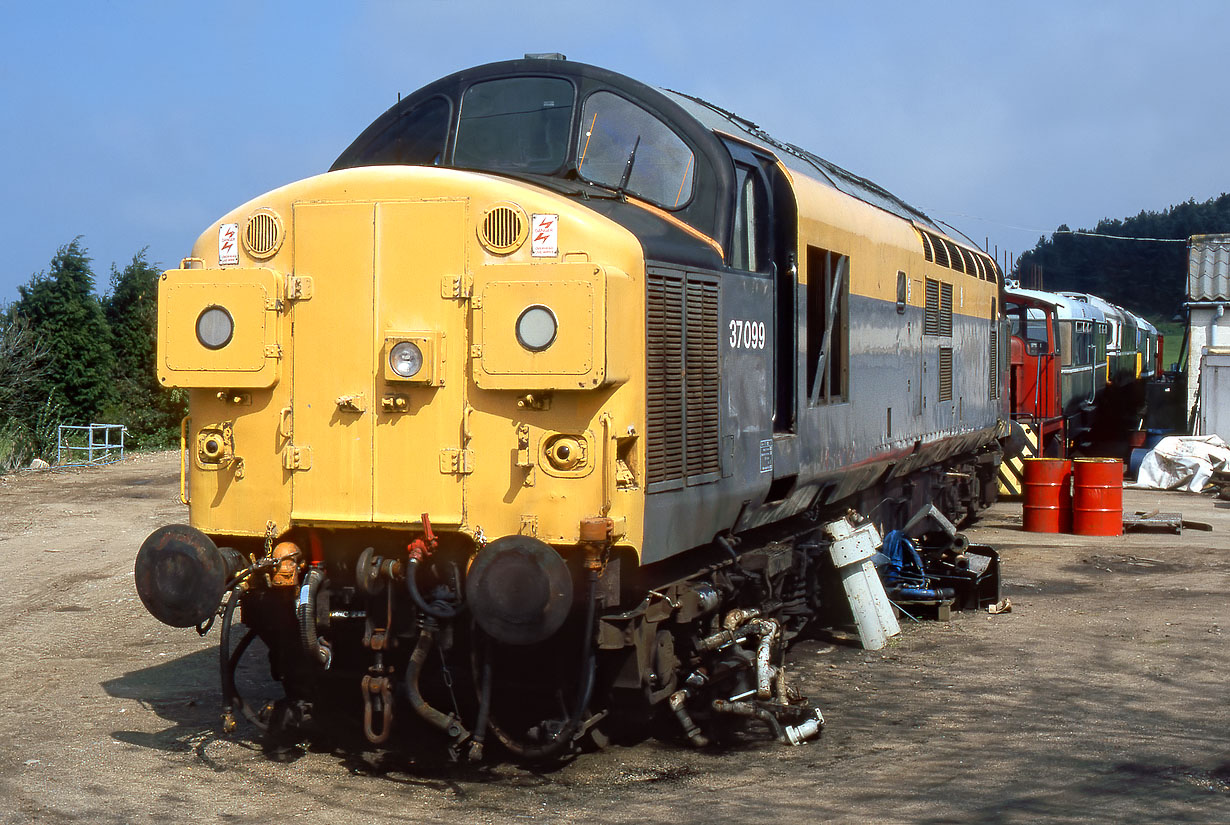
pixel 901 562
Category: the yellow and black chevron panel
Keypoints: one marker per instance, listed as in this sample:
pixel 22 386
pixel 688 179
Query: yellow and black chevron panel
pixel 1012 470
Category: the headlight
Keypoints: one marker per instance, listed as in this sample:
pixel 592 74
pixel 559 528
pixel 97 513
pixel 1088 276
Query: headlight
pixel 406 359
pixel 536 328
pixel 214 327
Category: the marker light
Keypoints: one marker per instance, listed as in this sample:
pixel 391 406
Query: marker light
pixel 536 328
pixel 406 359
pixel 214 327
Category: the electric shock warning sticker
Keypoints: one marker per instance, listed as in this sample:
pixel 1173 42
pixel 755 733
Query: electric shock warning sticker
pixel 228 244
pixel 544 236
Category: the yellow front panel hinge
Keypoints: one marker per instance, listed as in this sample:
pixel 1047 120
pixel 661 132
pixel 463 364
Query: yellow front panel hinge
pixel 298 288
pixel 297 458
pixel 457 286
pixel 456 461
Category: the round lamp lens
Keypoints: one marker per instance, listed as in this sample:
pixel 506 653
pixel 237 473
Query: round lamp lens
pixel 406 359
pixel 214 328
pixel 536 328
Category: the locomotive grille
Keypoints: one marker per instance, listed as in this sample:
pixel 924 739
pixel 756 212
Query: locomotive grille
pixel 945 374
pixel 701 371
pixel 937 311
pixel 931 312
pixel 945 309
pixel 503 228
pixel 682 378
pixel 665 378
pixel 263 234
pixel 967 257
pixel 994 360
pixel 941 253
pixel 945 253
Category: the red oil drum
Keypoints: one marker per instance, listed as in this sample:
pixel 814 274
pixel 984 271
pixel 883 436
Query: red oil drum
pixel 1097 501
pixel 1048 495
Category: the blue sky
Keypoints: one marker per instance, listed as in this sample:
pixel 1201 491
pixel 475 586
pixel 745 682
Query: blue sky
pixel 136 124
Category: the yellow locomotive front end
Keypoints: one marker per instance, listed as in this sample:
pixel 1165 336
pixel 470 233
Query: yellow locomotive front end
pixel 405 341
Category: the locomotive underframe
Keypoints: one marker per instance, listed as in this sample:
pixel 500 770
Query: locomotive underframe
pixel 702 634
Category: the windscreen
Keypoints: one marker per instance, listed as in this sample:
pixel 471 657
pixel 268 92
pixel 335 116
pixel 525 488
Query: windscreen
pixel 625 147
pixel 417 138
pixel 516 124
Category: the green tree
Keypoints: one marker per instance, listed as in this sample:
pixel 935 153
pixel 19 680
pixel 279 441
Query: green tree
pixel 150 412
pixel 62 312
pixel 23 370
pixel 24 416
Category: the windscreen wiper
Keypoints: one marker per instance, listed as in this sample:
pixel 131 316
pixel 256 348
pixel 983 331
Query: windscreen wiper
pixel 623 182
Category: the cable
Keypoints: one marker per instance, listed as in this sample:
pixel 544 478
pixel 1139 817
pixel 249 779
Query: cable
pixel 1117 237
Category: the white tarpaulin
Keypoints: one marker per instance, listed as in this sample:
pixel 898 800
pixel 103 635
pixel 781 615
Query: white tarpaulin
pixel 1183 462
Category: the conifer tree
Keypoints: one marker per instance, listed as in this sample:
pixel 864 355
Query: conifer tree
pixel 151 412
pixel 62 312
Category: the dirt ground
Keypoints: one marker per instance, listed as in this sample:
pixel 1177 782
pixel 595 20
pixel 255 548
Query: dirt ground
pixel 1102 697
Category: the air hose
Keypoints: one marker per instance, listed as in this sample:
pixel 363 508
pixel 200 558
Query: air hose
pixel 305 612
pixel 448 723
pixel 437 609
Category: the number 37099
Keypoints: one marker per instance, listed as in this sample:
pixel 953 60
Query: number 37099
pixel 747 334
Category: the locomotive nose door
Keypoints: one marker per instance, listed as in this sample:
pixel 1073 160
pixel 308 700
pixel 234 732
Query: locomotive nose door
pixel 331 459
pixel 378 397
pixel 421 455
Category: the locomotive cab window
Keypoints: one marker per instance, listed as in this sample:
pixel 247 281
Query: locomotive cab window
pixel 749 242
pixel 417 138
pixel 515 124
pixel 625 147
pixel 1029 324
pixel 828 326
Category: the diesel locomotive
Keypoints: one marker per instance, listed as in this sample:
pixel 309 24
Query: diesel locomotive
pixel 522 421
pixel 1079 368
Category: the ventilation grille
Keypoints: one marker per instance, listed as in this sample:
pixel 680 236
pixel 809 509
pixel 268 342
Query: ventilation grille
pixel 944 252
pixel 701 370
pixel 945 309
pixel 262 236
pixel 994 361
pixel 665 378
pixel 945 373
pixel 682 379
pixel 503 228
pixel 931 312
pixel 937 313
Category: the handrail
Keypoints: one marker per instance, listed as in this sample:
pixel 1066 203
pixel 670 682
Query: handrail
pixel 608 469
pixel 183 459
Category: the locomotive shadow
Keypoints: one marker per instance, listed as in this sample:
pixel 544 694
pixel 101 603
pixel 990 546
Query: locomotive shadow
pixel 184 693
pixel 180 691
